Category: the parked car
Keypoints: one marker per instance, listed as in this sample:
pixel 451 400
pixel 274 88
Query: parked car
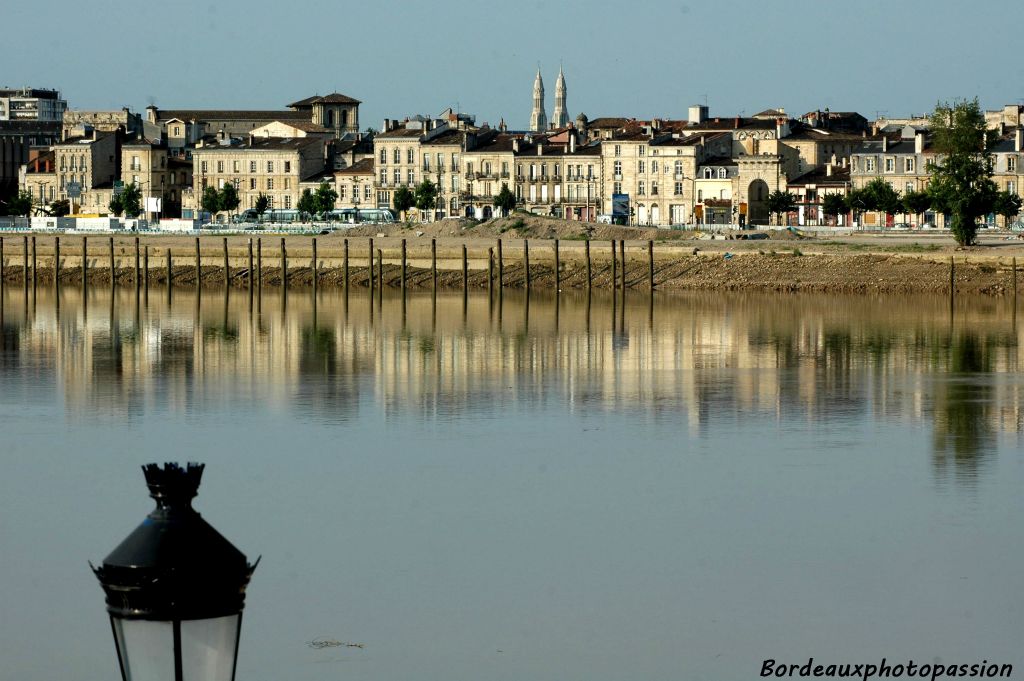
pixel 901 227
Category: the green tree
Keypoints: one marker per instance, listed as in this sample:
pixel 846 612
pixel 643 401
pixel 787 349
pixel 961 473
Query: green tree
pixel 131 200
pixel 306 205
pixel 59 208
pixel 426 195
pixel 833 205
pixel 403 200
pixel 505 201
pixel 1008 205
pixel 325 198
pixel 210 201
pixel 262 204
pixel 780 202
pixel 881 196
pixel 20 204
pixel 961 182
pixel 116 205
pixel 915 203
pixel 228 198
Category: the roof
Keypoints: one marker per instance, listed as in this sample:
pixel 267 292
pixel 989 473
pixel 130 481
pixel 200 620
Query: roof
pixel 400 132
pixel 229 115
pixel 718 161
pixel 363 166
pixel 447 137
pixel 610 122
pixel 819 176
pixel 333 98
pixel 266 144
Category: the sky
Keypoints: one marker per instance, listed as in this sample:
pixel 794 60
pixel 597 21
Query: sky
pixel 644 58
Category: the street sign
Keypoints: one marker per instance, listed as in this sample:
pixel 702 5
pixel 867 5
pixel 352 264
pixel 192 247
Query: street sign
pixel 74 190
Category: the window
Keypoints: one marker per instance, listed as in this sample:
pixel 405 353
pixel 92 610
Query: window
pixel 678 190
pixel 287 183
pixel 618 169
pixel 410 156
pixel 1011 164
pixel 640 187
pixel 700 195
pixel 910 187
pixel 396 175
pixel 723 174
pixel 220 166
pixel 202 166
pixel 287 166
pixel 410 176
pixel 235 166
pixel 366 192
pixel 557 172
pixel 487 167
pixel 1011 187
pixel 641 151
pixel 640 165
pixel 590 172
pixel 177 131
pixel 679 169
pixel 469 167
pixel 426 161
pixel 270 183
pixel 440 161
pixel 383 155
pixel 397 155
pixel 270 166
pixel 287 202
pixel 908 165
pixel 654 166
pixel 383 176
pixel 618 150
pixel 252 183
pixel 853 164
pixel 890 164
pixel 654 188
pixel 708 173
pixel 504 168
pixel 544 170
pixel 869 165
pixel 616 187
pixel 455 163
pixel 252 166
pixel 341 192
pixel 455 183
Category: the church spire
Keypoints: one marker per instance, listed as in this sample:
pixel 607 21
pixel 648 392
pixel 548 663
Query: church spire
pixel 560 117
pixel 538 119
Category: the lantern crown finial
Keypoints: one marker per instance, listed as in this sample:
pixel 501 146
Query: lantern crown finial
pixel 173 484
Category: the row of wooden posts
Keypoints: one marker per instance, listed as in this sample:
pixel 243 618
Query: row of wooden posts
pixel 142 253
pixel 618 264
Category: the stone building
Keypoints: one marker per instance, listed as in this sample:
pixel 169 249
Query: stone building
pixel 538 117
pixel 336 112
pixel 93 164
pixel 158 175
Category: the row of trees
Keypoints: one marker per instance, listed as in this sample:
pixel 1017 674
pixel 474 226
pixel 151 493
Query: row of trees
pixel 424 197
pixel 320 202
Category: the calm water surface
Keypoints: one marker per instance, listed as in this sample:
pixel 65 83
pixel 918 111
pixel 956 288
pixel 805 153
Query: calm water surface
pixel 477 491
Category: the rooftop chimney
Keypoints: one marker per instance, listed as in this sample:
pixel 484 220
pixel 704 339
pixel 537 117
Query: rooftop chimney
pixel 736 123
pixel 919 143
pixel 572 141
pixel 828 170
pixel 1018 138
pixel 515 146
pixel 885 143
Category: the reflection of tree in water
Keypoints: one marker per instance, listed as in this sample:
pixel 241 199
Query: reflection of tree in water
pixel 963 432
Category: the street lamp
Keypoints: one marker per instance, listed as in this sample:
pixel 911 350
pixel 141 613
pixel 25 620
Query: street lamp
pixel 175 588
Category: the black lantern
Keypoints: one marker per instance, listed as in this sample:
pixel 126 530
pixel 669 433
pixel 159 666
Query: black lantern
pixel 175 588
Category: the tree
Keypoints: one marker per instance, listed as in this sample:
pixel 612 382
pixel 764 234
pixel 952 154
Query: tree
pixel 505 201
pixel 426 195
pixel 961 182
pixel 325 197
pixel 780 202
pixel 131 200
pixel 915 203
pixel 210 201
pixel 1007 204
pixel 833 205
pixel 116 205
pixel 880 195
pixel 307 204
pixel 21 204
pixel 403 200
pixel 227 199
pixel 59 208
pixel 262 204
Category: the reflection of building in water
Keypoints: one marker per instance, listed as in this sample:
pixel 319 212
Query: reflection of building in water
pixel 697 359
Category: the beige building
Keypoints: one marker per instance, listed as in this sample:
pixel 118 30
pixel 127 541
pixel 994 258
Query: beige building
pixel 39 178
pixel 158 175
pixel 92 164
pixel 396 154
pixel 84 123
pixel 273 166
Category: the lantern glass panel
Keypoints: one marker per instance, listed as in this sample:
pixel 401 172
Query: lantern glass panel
pixel 208 648
pixel 146 648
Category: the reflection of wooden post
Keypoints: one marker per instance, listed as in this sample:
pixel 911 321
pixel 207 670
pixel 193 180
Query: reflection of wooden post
pixel 35 261
pixel 403 267
pixel 615 269
pixel 344 268
pixel 85 260
pixel 145 267
pixel 558 262
pixel 198 264
pixel 952 277
pixel 314 267
pixel 284 265
pixel 1015 280
pixel 587 249
pixel 433 264
pixel 380 272
pixel 650 261
pixel 526 262
pixel 490 270
pixel 56 260
pixel 465 270
pixel 24 260
pixel 111 242
pixel 259 263
pixel 501 267
pixel 227 268
pixel 369 265
pixel 138 280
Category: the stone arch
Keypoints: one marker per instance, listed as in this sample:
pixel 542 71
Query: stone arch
pixel 757 202
pixel 655 214
pixel 330 119
pixel 488 212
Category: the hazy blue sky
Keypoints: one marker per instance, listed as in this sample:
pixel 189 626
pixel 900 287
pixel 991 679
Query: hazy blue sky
pixel 642 58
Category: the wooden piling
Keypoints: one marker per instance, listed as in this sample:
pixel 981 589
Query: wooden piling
pixel 952 277
pixel 227 268
pixel 259 264
pixel 24 260
pixel 35 262
pixel 526 263
pixel 558 264
pixel 250 264
pixel 145 267
pixel 380 272
pixel 465 270
pixel 344 268
pixel 622 252
pixel 403 266
pixel 370 266
pixel 198 265
pixel 56 260
pixel 650 262
pixel 490 270
pixel 169 280
pixel 1015 280
pixel 314 267
pixel 433 265
pixel 111 245
pixel 501 267
pixel 615 268
pixel 85 260
pixel 284 265
pixel 138 280
pixel 586 247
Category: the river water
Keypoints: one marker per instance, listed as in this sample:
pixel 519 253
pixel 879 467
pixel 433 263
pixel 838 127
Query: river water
pixel 474 489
